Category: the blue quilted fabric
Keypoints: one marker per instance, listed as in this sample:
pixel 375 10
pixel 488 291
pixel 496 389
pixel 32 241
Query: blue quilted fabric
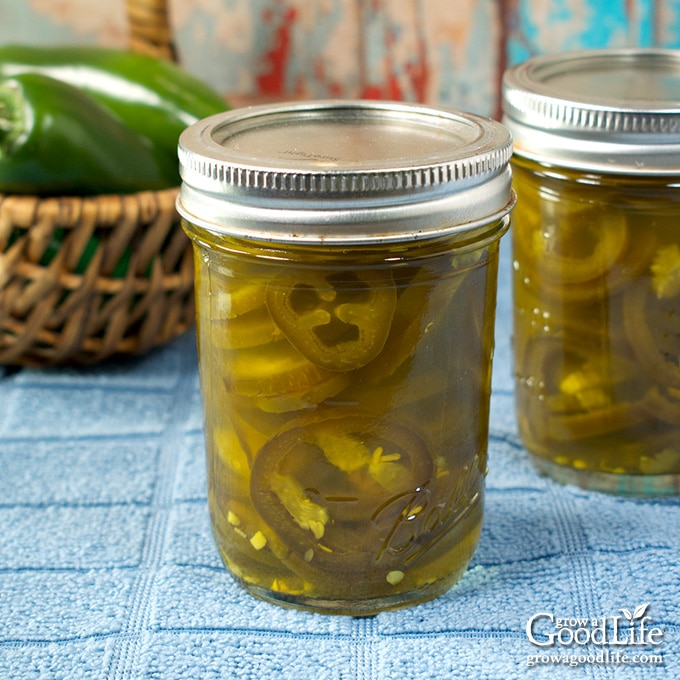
pixel 108 569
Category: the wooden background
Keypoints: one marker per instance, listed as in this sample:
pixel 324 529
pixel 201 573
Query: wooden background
pixel 448 52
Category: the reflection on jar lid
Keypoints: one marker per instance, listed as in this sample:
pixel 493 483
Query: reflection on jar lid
pixel 609 110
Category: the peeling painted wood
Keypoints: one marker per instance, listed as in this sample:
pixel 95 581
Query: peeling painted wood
pixel 451 53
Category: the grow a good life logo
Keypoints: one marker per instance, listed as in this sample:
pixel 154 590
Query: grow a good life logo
pixel 628 638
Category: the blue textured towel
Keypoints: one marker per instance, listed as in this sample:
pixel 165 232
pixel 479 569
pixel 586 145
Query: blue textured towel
pixel 108 569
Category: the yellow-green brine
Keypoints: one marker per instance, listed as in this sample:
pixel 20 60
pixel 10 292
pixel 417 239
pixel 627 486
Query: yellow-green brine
pixel 596 257
pixel 346 257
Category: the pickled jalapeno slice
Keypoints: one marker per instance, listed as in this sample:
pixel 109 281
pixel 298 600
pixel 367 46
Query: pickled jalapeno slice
pixel 582 394
pixel 338 320
pixel 238 316
pixel 568 243
pixel 664 404
pixel 329 487
pixel 573 244
pixel 247 330
pixel 652 325
pixel 279 379
pixel 665 271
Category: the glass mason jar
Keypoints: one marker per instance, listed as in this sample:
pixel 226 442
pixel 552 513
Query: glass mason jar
pixel 596 243
pixel 346 261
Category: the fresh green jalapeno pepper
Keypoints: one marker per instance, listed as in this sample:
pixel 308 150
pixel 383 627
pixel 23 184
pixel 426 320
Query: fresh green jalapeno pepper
pixel 54 139
pixel 153 97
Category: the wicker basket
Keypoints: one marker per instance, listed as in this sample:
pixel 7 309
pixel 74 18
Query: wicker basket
pixel 64 296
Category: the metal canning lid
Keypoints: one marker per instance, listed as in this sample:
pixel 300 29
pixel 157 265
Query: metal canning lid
pixel 608 110
pixel 344 171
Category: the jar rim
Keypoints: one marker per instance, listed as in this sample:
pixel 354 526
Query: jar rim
pixel 339 170
pixel 609 110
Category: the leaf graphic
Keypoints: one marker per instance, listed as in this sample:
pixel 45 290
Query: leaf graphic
pixel 640 611
pixel 627 614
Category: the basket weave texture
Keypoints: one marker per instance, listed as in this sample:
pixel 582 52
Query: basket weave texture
pixel 86 278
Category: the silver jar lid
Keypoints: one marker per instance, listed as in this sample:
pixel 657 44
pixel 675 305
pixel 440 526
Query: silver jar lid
pixel 609 110
pixel 344 171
